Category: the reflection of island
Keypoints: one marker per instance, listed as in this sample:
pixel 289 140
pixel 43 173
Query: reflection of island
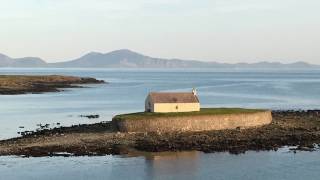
pixel 165 163
pixel 171 155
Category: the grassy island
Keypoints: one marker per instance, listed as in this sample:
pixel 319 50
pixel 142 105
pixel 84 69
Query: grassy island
pixel 203 111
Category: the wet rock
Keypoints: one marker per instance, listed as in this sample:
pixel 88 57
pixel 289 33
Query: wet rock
pixel 90 116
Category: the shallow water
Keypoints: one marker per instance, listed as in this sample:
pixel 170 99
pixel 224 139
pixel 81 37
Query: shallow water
pixel 128 88
pixel 126 93
pixel 185 165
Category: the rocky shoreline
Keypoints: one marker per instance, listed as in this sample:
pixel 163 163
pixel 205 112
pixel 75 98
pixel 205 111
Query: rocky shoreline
pixel 289 128
pixel 22 84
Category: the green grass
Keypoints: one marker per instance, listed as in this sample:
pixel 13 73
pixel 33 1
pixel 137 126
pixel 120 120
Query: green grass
pixel 203 111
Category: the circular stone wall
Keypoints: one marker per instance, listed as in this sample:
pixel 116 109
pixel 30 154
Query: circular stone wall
pixel 195 122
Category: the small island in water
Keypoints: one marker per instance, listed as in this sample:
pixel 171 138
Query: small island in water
pixel 183 126
pixel 23 84
pixel 288 128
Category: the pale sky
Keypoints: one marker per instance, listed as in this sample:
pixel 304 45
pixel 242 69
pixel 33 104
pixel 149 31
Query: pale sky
pixel 211 30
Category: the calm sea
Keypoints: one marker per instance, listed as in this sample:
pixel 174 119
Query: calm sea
pixel 126 91
pixel 281 165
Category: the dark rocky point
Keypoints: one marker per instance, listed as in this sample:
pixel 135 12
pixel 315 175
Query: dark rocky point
pixel 21 84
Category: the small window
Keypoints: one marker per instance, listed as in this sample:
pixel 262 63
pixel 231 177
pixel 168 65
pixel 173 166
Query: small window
pixel 177 107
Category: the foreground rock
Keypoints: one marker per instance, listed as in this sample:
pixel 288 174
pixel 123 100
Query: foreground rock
pixel 289 128
pixel 20 84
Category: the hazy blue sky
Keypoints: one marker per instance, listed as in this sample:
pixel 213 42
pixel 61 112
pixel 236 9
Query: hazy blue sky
pixel 217 30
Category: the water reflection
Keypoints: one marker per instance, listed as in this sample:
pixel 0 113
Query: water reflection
pixel 265 165
pixel 171 163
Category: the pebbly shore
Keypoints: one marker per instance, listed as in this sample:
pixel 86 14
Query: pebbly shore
pixel 300 129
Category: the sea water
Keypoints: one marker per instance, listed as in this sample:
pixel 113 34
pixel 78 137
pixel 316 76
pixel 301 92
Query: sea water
pixel 279 165
pixel 125 92
pixel 127 89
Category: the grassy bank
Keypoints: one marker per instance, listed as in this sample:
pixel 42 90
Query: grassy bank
pixel 203 111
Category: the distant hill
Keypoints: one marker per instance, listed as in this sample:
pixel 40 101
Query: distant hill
pixel 125 58
pixel 6 61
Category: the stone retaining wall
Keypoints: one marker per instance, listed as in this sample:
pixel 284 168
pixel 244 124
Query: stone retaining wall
pixel 194 123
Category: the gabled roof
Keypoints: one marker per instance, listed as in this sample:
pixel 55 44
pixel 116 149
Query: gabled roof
pixel 173 97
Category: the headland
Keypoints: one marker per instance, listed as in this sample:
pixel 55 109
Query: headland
pixel 24 84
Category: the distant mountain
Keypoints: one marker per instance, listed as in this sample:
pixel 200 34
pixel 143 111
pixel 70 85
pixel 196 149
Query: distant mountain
pixel 6 61
pixel 128 59
pixel 125 58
